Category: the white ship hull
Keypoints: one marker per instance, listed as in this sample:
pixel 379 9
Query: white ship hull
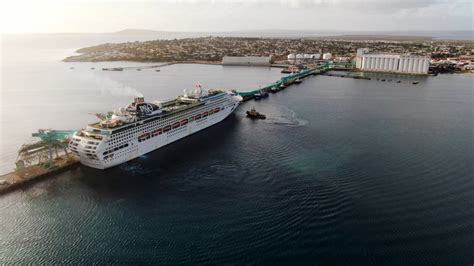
pixel 145 137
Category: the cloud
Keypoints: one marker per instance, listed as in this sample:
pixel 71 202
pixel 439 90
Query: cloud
pixel 224 15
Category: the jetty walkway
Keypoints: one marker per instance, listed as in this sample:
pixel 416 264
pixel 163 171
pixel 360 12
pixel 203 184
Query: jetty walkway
pixel 290 79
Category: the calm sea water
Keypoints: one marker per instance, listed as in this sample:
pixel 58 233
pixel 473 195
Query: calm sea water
pixel 343 171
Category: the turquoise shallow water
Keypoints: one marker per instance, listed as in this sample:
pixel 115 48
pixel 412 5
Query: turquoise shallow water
pixel 343 171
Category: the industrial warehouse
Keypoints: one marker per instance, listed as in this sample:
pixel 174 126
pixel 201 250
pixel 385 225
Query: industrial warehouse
pixel 247 60
pixel 396 63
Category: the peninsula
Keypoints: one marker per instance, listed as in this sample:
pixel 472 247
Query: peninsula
pixel 212 49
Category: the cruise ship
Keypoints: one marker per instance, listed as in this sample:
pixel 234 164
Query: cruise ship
pixel 142 127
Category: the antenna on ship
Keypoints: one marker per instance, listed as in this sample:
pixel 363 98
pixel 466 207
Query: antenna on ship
pixel 198 90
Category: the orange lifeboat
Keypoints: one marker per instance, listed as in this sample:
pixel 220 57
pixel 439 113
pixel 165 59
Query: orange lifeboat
pixel 143 137
pixel 156 132
pixel 176 125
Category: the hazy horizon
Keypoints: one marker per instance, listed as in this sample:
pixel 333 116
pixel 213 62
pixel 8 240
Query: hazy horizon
pixel 309 31
pixel 105 16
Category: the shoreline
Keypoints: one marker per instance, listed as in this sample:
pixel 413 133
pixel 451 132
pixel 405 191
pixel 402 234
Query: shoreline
pixel 219 63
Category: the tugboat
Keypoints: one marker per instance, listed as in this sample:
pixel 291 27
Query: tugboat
pixel 253 114
pixel 298 81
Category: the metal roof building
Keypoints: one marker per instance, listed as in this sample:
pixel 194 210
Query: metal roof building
pixel 247 60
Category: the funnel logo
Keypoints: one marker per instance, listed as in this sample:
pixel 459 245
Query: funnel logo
pixel 145 108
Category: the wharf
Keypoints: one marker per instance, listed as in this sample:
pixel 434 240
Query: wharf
pixel 345 76
pixel 287 80
pixel 161 65
pixel 30 175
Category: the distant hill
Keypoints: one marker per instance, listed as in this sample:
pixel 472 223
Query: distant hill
pixel 138 32
pixel 416 36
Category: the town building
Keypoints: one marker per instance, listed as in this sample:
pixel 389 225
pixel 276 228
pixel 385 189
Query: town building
pixel 327 56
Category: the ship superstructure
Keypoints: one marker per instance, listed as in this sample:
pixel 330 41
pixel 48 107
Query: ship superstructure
pixel 142 127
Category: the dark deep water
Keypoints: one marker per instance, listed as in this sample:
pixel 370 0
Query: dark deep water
pixel 343 171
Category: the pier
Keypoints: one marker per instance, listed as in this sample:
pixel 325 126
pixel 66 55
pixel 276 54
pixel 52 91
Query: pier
pixel 33 174
pixel 39 160
pixel 161 65
pixel 288 80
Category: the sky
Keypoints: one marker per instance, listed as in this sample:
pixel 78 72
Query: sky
pixel 53 16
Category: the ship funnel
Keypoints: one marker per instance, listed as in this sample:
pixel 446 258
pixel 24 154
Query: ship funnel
pixel 140 99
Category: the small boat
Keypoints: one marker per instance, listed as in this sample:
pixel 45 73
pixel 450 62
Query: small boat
pixel 254 114
pixel 274 89
pixel 282 86
pixel 415 82
pixel 298 81
pixel 139 69
pixel 112 69
pixel 399 81
pixel 157 70
pixel 383 80
pixel 261 94
pixel 92 68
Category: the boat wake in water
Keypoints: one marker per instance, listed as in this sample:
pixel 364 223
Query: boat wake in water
pixel 286 117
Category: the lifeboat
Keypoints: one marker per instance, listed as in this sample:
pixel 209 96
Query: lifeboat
pixel 156 132
pixel 217 110
pixel 167 128
pixel 184 122
pixel 176 125
pixel 143 137
pixel 205 114
pixel 197 117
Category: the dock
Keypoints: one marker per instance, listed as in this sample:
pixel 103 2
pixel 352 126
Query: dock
pixel 41 159
pixel 35 173
pixel 160 65
pixel 287 80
